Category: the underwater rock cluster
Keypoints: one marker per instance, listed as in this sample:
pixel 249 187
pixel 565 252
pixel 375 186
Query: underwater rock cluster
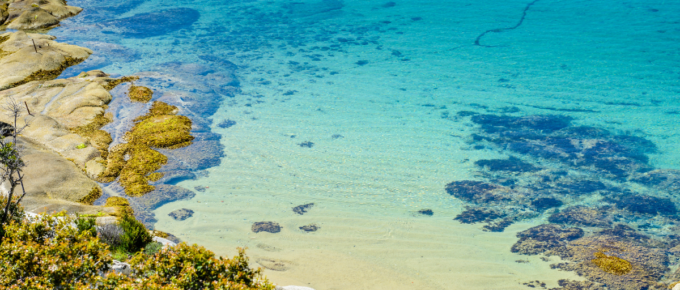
pixel 612 216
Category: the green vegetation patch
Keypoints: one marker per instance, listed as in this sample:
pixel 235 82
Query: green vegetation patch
pixel 134 163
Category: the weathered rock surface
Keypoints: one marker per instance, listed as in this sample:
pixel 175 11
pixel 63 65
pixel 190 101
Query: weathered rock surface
pixel 35 14
pixel 60 110
pixel 54 184
pixel 121 268
pixel 22 61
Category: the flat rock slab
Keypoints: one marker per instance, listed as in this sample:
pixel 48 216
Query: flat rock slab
pixel 181 214
pixel 270 227
pixel 153 23
pixel 22 61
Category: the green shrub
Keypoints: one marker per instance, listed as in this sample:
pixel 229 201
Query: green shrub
pixel 153 248
pixel 49 253
pixel 135 235
pixel 86 225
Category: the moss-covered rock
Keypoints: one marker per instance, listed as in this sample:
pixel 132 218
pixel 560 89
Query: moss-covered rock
pixel 140 94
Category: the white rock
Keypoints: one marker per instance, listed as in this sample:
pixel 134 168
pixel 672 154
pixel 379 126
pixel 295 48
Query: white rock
pixel 298 288
pixel 676 287
pixel 122 268
pixel 165 242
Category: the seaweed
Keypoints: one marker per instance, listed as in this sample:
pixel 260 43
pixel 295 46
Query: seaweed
pixel 582 186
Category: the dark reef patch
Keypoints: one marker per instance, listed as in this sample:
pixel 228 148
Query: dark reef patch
pixel 645 204
pixel 476 215
pixel 427 212
pixel 475 191
pixel 588 177
pixel 545 239
pixel 582 216
pixel 544 203
pixel 306 144
pixel 511 164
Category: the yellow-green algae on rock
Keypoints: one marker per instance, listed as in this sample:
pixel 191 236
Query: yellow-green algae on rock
pixel 121 204
pixel 140 94
pixel 160 128
pixel 611 264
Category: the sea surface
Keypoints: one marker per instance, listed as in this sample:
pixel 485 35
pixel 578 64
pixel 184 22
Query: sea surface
pixel 370 110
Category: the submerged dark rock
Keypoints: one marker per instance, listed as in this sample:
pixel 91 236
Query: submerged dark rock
pixel 270 227
pixel 511 164
pixel 475 191
pixel 302 209
pixel 153 23
pixel 544 239
pixel 645 204
pixel 181 214
pixel 476 215
pixel 310 228
pixel 226 124
pixel 427 212
pixel 544 203
pixel 582 186
pixel 582 216
pixel 541 123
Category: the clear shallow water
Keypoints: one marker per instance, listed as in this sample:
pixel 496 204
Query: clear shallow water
pixel 389 80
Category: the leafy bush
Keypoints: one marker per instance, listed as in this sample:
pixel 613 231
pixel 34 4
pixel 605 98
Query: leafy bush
pixel 135 235
pixel 153 248
pixel 86 225
pixel 49 253
pixel 188 267
pixel 110 234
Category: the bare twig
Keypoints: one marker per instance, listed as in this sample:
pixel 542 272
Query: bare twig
pixel 34 47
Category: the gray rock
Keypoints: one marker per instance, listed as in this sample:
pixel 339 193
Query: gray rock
pixel 122 268
pixel 182 214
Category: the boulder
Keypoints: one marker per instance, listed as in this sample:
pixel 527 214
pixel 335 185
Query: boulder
pixel 22 61
pixel 121 268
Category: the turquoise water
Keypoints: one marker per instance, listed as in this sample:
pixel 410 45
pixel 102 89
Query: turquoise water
pixel 377 89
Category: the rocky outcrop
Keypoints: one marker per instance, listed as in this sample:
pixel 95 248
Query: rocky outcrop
pixel 34 14
pixel 26 57
pixel 66 115
pixel 54 184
